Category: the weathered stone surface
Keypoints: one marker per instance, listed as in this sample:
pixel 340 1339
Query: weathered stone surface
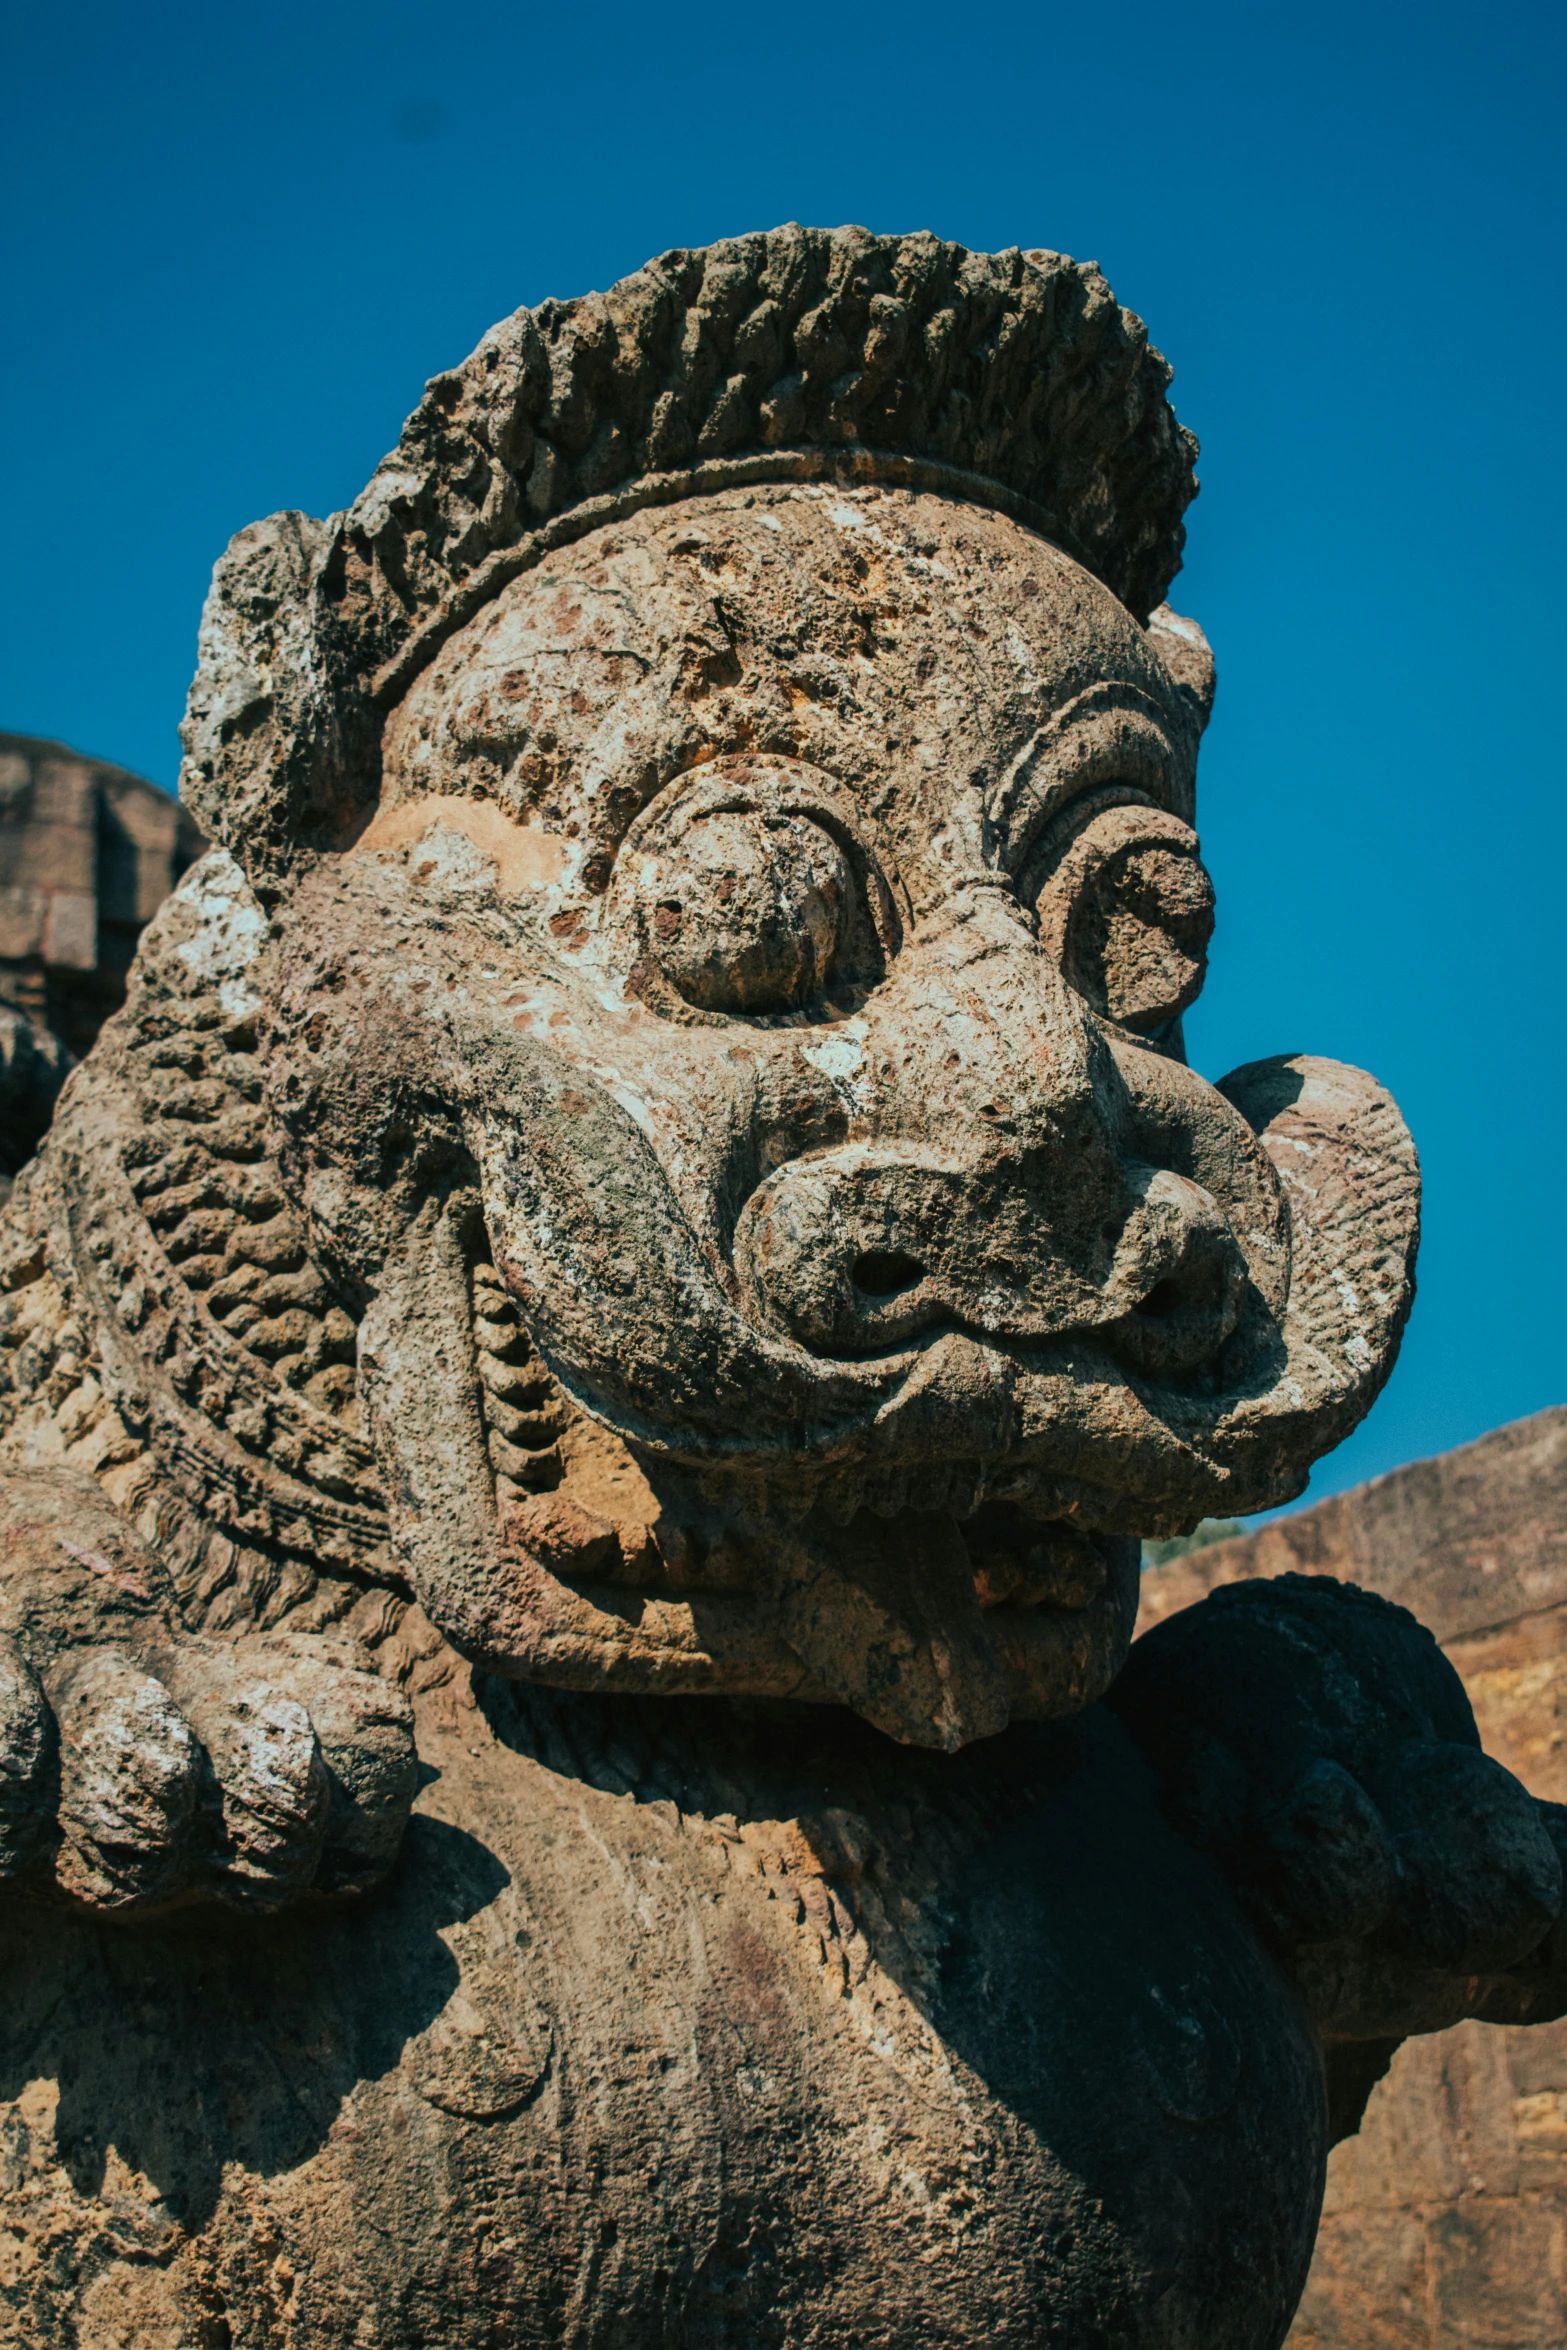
pixel 650 1190
pixel 1009 380
pixel 1445 2220
pixel 1473 1541
pixel 88 853
pixel 1444 2225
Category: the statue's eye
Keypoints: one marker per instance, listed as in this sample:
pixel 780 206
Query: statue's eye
pixel 748 911
pixel 1128 912
pixel 749 889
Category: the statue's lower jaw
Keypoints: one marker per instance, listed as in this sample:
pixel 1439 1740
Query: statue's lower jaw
pixel 880 1615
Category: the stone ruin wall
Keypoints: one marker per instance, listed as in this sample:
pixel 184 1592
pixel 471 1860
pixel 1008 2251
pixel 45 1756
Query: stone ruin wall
pixel 88 853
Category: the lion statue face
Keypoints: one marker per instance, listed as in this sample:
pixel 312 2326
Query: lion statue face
pixel 739 1066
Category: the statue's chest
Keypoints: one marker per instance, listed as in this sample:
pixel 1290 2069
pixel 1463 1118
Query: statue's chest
pixel 832 2042
pixel 663 2038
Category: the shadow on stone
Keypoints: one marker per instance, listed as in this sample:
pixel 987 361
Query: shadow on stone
pixel 186 2045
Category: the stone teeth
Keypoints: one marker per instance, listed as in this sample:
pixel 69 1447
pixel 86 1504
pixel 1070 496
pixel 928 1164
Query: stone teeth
pixel 498 1338
pixel 530 1429
pixel 523 1465
pixel 534 1472
pixel 510 1381
pixel 517 1395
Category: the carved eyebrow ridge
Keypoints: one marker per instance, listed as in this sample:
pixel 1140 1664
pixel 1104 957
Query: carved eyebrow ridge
pixel 1071 754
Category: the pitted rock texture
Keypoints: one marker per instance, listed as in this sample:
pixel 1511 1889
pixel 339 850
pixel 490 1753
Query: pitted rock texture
pixel 584 1367
pixel 1013 379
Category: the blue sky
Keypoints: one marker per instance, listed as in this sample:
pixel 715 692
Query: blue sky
pixel 236 242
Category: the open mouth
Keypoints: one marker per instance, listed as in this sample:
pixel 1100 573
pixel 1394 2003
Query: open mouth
pixel 1020 1562
pixel 546 1548
pixel 610 1572
pixel 575 1496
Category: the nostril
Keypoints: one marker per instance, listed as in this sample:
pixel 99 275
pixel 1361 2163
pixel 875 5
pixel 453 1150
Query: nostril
pixel 884 1272
pixel 1195 1287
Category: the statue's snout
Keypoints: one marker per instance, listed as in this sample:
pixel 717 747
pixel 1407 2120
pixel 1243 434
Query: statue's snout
pixel 1003 1189
pixel 859 1249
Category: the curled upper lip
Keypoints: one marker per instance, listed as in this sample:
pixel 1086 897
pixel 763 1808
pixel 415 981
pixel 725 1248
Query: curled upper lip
pixel 1215 1395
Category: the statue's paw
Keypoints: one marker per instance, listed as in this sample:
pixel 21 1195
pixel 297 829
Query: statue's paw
pixel 251 1773
pixel 1315 1740
pixel 141 1766
pixel 1440 1856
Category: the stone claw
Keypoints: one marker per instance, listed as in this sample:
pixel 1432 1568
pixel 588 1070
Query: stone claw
pixel 130 1782
pixel 142 1766
pixel 1315 1740
pixel 365 1730
pixel 1480 1878
pixel 267 1786
pixel 1320 1864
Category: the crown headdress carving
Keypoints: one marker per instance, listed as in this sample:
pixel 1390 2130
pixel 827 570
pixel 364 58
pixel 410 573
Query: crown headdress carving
pixel 1011 379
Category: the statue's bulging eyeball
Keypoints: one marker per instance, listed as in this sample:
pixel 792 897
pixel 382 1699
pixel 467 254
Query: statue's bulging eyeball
pixel 747 913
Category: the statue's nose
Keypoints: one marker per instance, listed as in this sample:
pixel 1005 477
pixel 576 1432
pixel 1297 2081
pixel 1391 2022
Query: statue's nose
pixel 860 1249
pixel 986 1188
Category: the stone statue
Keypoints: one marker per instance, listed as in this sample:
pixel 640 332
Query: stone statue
pixel 645 1238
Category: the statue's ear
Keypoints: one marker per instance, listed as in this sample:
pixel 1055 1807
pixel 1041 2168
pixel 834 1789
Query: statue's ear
pixel 281 759
pixel 1186 653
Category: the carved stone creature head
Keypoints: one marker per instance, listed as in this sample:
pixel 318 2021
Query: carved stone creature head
pixel 722 805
